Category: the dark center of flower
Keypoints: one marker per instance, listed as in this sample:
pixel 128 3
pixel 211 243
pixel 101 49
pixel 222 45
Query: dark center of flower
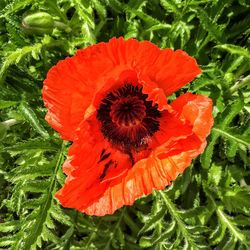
pixel 128 111
pixel 127 119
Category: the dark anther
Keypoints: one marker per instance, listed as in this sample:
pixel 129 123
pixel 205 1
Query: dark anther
pixel 128 119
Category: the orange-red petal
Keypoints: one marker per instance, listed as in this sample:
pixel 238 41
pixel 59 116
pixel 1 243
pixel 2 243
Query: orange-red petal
pixel 173 69
pixel 165 162
pixel 197 110
pixel 66 94
pixel 75 85
pixel 179 142
pixel 88 177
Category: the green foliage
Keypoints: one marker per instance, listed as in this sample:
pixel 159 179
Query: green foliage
pixel 207 207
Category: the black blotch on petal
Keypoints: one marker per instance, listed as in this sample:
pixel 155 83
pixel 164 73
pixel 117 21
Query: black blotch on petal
pixel 106 167
pixel 104 157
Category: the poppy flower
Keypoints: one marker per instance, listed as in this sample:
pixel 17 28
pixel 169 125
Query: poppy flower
pixel 110 100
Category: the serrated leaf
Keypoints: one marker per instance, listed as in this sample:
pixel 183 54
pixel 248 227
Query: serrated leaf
pixel 60 216
pixel 206 157
pixel 237 200
pixel 234 49
pixel 33 144
pixel 16 56
pixel 7 104
pixel 85 12
pixel 33 120
pixel 229 134
pixel 6 241
pixel 36 186
pixel 146 242
pixel 211 27
pixel 217 234
pixel 9 226
pixel 30 172
pixel 151 223
pixel 215 174
pixel 14 6
pixel 170 5
pixel 100 8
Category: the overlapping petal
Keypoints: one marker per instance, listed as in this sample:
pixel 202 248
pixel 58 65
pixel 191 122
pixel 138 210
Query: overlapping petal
pixel 164 163
pixel 67 93
pixel 75 85
pixel 92 163
pixel 179 141
pixel 102 177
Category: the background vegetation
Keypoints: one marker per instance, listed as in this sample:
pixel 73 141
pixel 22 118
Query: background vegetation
pixel 207 207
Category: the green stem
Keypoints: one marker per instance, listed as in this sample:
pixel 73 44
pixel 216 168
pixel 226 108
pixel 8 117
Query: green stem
pixel 239 84
pixel 62 26
pixel 133 226
pixel 10 122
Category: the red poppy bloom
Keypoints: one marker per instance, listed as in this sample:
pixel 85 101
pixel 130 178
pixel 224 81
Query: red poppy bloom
pixel 110 100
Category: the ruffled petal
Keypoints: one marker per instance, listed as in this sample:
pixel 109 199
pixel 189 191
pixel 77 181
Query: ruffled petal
pixel 146 175
pixel 88 178
pixel 91 165
pixel 197 110
pixel 67 94
pixel 173 70
pixel 161 72
pixel 165 162
pixel 76 85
